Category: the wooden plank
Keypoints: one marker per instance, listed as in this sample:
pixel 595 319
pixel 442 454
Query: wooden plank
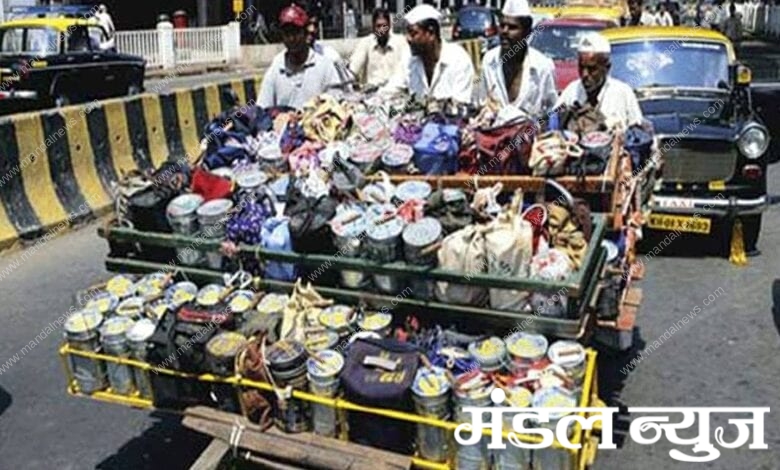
pixel 305 448
pixel 212 456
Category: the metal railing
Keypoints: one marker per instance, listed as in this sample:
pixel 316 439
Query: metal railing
pixel 144 43
pixel 760 19
pixel 168 48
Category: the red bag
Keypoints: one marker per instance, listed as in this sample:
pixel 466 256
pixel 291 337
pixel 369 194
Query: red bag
pixel 505 149
pixel 210 186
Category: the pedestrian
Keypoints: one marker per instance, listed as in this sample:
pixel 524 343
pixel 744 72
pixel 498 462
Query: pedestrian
pixel 296 74
pixel 380 55
pixel 514 73
pixel 437 69
pixel 732 26
pixel 350 24
pixel 613 98
pixel 637 15
pixel 104 18
pixel 319 47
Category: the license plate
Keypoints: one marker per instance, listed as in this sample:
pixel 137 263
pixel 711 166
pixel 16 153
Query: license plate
pixel 679 223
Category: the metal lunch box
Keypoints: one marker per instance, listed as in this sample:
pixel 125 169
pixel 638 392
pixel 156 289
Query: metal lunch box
pixel 365 156
pixel 221 351
pixel 597 144
pixel 114 342
pixel 183 221
pixel 321 340
pixel 131 307
pixel 323 371
pixel 137 337
pixel 383 236
pixel 490 353
pixel 526 349
pixel 376 322
pixel 272 160
pixel 514 458
pixel 397 158
pixel 272 303
pixel 81 332
pixel 552 458
pixel 472 389
pixel 409 190
pixel 181 293
pixel 209 295
pixel 103 302
pixel 420 249
pixel 212 217
pixel 570 356
pixel 287 364
pixel 431 396
pixel 348 227
pixel 121 286
pixel 151 285
pixel 340 319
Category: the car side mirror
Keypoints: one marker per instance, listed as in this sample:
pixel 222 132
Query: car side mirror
pixel 740 75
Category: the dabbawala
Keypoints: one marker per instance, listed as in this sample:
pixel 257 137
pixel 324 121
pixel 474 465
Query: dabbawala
pixel 437 69
pixel 515 73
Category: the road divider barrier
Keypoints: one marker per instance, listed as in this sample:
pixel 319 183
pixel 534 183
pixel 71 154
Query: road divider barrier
pixel 58 165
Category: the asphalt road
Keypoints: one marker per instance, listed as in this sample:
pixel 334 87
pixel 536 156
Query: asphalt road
pixel 726 355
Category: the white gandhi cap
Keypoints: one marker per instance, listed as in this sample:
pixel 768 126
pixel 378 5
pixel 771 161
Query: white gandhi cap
pixel 516 8
pixel 594 43
pixel 421 13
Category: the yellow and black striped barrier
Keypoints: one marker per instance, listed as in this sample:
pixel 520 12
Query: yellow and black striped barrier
pixel 58 165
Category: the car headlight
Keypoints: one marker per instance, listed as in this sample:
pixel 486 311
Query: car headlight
pixel 754 141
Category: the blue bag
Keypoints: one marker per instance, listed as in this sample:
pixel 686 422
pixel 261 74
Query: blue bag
pixel 436 152
pixel 276 236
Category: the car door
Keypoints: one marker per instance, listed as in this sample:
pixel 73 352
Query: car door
pixel 85 74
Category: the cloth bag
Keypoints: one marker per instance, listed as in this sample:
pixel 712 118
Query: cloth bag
pixel 436 152
pixel 504 149
pixel 509 250
pixel 275 235
pixel 463 252
pixel 372 386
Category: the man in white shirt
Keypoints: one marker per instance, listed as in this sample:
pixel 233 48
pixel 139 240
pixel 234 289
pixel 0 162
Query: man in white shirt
pixel 437 69
pixel 638 16
pixel 613 98
pixel 514 73
pixel 297 74
pixel 380 55
pixel 313 31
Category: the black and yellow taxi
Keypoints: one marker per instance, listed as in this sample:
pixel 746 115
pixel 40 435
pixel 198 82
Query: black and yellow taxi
pixel 47 61
pixel 712 146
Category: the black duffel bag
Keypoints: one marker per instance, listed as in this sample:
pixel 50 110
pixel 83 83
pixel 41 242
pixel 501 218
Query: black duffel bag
pixel 376 387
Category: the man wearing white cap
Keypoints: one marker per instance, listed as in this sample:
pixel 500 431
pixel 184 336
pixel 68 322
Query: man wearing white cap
pixel 613 98
pixel 514 73
pixel 437 69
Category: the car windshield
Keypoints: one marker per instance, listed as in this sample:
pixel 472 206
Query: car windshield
pixel 36 41
pixel 474 20
pixel 671 63
pixel 560 42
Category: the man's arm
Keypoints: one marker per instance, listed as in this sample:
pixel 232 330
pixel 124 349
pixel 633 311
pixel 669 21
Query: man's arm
pixel 634 114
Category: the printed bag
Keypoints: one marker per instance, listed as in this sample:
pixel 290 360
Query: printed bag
pixel 436 152
pixel 372 386
pixel 508 250
pixel 505 149
pixel 463 252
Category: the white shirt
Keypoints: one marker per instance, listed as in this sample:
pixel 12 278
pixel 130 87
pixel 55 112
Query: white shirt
pixel 327 51
pixel 378 64
pixel 453 76
pixel 106 22
pixel 537 89
pixel 616 101
pixel 281 87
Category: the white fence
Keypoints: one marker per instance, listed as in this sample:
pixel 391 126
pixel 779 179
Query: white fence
pixel 170 48
pixel 760 19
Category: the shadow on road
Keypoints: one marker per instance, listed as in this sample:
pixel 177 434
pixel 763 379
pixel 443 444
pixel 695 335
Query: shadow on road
pixel 166 444
pixel 776 304
pixel 5 400
pixel 612 381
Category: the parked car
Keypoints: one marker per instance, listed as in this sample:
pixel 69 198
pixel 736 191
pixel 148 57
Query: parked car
pixel 473 22
pixel 558 39
pixel 712 142
pixel 57 61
